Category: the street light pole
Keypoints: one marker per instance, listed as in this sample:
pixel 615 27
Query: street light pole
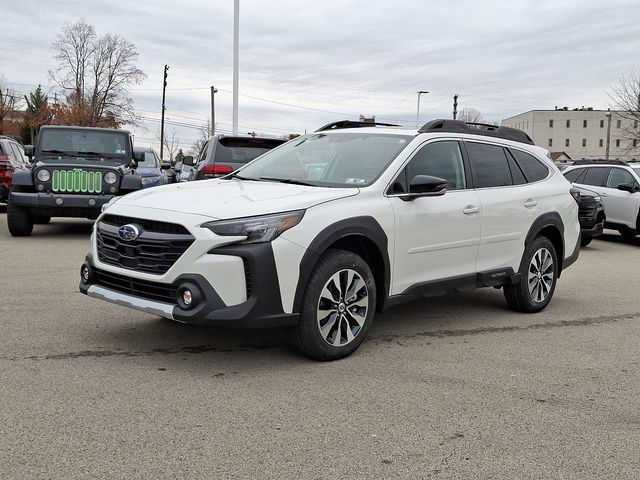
pixel 420 92
pixel 236 41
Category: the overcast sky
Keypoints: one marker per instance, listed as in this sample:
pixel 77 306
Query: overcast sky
pixel 304 64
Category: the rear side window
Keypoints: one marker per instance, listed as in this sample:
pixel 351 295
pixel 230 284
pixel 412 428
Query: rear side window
pixel 595 176
pixel 489 164
pixel 573 175
pixel 530 166
pixel 241 150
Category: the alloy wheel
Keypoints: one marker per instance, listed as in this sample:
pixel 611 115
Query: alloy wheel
pixel 541 275
pixel 342 307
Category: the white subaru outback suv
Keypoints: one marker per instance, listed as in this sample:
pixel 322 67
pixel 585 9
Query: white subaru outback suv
pixel 331 227
pixel 618 183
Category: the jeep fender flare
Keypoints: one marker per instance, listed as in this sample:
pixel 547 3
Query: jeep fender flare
pixel 23 178
pixel 364 226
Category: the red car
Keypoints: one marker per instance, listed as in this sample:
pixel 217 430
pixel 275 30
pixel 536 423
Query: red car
pixel 12 158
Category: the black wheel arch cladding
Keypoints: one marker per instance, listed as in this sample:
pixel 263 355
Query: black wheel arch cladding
pixel 365 227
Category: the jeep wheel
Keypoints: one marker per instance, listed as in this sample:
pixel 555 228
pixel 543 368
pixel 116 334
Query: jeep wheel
pixel 19 220
pixel 338 307
pixel 585 240
pixel 539 273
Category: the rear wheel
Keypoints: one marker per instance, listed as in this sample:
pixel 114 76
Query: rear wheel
pixel 538 276
pixel 338 307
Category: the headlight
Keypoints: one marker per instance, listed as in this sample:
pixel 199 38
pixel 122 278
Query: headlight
pixel 110 178
pixel 256 229
pixel 44 175
pixel 597 199
pixel 148 180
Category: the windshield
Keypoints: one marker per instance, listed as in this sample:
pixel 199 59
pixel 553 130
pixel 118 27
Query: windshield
pixel 149 161
pixel 90 143
pixel 329 159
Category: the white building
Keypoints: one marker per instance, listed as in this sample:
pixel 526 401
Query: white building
pixel 581 133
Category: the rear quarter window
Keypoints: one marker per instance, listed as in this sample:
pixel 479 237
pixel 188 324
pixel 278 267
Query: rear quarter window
pixel 532 168
pixel 573 175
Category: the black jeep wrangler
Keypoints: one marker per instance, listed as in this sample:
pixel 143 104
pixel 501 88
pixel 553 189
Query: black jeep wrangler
pixel 76 171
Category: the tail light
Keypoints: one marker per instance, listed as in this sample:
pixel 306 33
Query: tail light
pixel 5 163
pixel 217 170
pixel 575 193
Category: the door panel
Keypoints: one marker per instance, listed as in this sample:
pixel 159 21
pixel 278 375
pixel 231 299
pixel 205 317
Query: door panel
pixel 620 206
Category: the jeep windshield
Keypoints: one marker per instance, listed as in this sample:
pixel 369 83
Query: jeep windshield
pixel 353 159
pixel 80 145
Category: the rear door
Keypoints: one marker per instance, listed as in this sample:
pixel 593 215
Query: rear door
pixel 509 205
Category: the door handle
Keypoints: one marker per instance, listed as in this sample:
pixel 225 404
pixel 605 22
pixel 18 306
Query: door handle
pixel 530 203
pixel 471 209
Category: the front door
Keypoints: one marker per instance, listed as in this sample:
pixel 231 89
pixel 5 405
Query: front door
pixel 436 237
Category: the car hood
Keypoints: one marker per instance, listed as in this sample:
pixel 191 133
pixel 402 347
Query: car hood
pixel 148 171
pixel 222 199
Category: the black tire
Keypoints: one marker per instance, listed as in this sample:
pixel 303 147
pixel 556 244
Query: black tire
pixel 627 233
pixel 41 219
pixel 585 240
pixel 19 220
pixel 520 296
pixel 345 317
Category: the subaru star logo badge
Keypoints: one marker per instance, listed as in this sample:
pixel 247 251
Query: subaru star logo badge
pixel 128 232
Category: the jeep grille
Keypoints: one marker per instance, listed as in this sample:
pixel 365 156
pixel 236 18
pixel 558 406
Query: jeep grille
pixel 76 181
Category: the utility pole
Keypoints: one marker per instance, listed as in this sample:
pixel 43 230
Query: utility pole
pixel 164 88
pixel 455 106
pixel 236 46
pixel 213 110
pixel 608 115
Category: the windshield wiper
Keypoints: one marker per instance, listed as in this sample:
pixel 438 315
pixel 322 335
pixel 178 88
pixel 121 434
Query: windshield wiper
pixel 288 180
pixel 60 152
pixel 239 177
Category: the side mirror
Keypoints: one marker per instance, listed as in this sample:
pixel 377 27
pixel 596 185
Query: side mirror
pixel 165 166
pixel 628 187
pixel 427 186
pixel 28 151
pixel 188 160
pixel 138 157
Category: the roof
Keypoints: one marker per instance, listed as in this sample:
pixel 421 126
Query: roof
pixel 75 127
pixel 556 155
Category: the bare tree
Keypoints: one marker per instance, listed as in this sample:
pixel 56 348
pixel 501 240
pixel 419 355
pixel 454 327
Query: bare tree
pixel 470 115
pixel 8 101
pixel 171 142
pixel 626 100
pixel 95 71
pixel 196 147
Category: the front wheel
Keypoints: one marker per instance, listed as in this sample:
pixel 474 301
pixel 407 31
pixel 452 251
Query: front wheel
pixel 19 220
pixel 538 276
pixel 338 307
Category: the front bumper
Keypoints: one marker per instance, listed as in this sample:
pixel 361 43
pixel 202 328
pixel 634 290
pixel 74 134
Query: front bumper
pixel 262 308
pixel 52 200
pixel 588 229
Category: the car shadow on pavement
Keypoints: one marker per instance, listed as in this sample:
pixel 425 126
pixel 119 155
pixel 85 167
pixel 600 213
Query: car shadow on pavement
pixel 64 228
pixel 613 237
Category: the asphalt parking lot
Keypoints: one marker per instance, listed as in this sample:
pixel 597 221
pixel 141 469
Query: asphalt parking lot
pixel 453 387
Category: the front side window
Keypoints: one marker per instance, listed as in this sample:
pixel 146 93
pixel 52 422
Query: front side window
pixel 150 160
pixel 595 176
pixel 331 159
pixel 618 176
pixel 489 164
pixel 438 159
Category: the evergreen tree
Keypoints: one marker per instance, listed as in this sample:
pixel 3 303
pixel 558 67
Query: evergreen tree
pixel 36 115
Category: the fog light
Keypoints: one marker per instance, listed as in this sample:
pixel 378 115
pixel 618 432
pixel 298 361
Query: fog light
pixel 187 297
pixel 59 201
pixel 84 273
pixel 92 202
pixel 40 187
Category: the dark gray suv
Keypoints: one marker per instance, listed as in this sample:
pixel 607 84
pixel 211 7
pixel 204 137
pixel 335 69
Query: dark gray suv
pixel 222 154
